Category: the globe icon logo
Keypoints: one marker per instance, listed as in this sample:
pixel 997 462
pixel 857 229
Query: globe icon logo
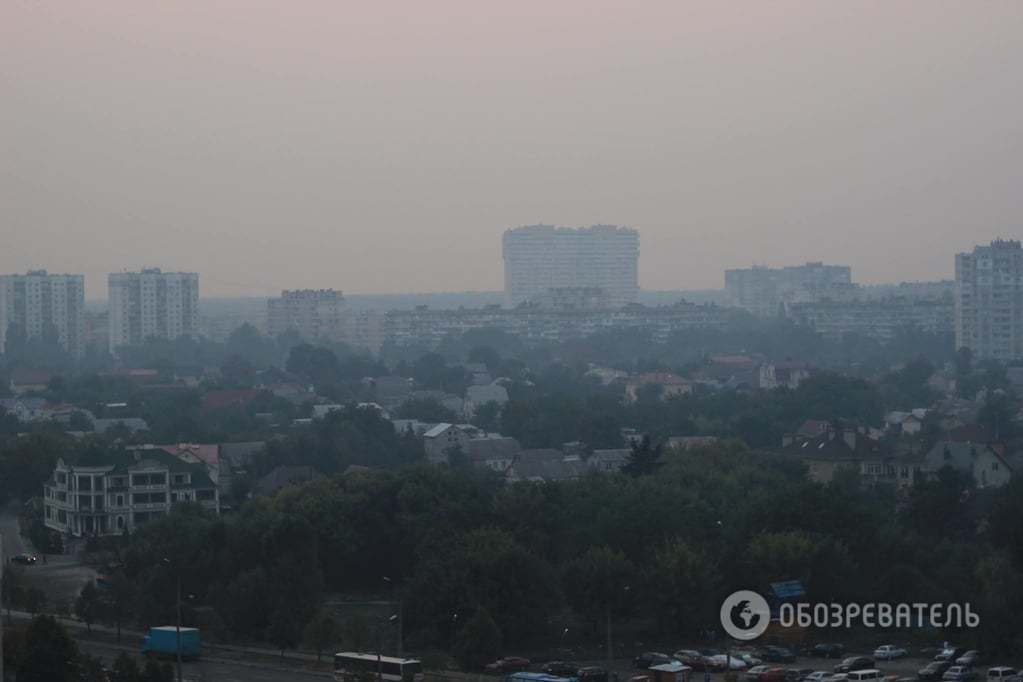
pixel 745 615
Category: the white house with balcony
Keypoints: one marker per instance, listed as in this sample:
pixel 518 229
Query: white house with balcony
pixel 111 492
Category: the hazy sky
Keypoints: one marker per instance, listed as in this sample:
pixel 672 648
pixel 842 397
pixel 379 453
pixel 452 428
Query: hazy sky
pixel 381 146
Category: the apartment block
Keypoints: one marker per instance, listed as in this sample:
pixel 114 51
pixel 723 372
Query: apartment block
pixel 763 291
pixel 312 313
pixel 539 258
pixel 39 305
pixel 152 303
pixel 989 300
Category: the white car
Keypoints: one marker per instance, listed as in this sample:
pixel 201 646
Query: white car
pixel 817 676
pixel 733 662
pixel 888 652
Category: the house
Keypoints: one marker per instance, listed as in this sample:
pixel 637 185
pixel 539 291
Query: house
pixel 228 398
pixel 905 423
pixel 813 428
pixel 671 385
pixel 492 451
pixel 418 428
pixel 282 477
pixel 478 396
pixel 122 490
pixel 988 468
pixel 132 424
pixel 29 381
pixel 690 442
pixel 608 461
pixel 321 411
pixel 783 374
pixel 846 448
pixel 235 460
pixel 544 465
pixel 443 438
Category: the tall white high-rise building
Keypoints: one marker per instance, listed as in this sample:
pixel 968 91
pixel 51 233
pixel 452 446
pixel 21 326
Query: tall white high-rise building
pixel 39 305
pixel 989 300
pixel 541 258
pixel 152 303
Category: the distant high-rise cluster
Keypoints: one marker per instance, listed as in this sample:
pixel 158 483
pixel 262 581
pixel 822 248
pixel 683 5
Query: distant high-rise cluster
pixel 39 306
pixel 152 303
pixel 763 291
pixel 541 258
pixel 989 300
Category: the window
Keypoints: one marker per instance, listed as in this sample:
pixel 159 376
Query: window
pixel 181 479
pixel 85 482
pixel 120 522
pixel 120 500
pixel 204 495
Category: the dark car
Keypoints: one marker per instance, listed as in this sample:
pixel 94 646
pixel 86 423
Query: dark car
pixel 852 663
pixel 776 654
pixel 508 664
pixel 772 675
pixel 694 659
pixel 23 559
pixel 649 658
pixel 561 668
pixel 828 651
pixel 970 658
pixel 797 674
pixel 933 671
pixel 592 673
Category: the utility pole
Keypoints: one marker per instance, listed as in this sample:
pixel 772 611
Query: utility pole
pixel 178 652
pixel 3 564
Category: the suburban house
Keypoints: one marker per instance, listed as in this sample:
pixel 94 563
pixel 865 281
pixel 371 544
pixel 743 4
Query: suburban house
pixel 905 423
pixel 988 468
pixel 90 495
pixel 478 396
pixel 608 461
pixel 670 385
pixel 492 451
pixel 851 449
pixel 283 476
pixel 773 375
pixel 544 465
pixel 443 438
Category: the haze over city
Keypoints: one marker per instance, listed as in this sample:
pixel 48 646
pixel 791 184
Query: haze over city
pixel 386 147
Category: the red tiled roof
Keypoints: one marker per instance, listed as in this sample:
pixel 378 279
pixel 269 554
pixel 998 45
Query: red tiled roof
pixel 217 400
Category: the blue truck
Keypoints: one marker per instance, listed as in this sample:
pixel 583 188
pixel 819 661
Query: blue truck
pixel 163 641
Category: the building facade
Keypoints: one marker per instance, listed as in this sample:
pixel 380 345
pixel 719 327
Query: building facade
pixel 763 291
pixel 152 303
pixel 39 305
pixel 989 300
pixel 539 258
pixel 312 313
pixel 123 491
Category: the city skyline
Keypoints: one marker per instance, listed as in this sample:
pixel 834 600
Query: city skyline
pixel 334 148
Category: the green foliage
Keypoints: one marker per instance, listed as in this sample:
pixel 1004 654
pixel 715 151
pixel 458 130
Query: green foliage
pixel 322 632
pixel 478 641
pixel 47 653
pixel 125 669
pixel 89 605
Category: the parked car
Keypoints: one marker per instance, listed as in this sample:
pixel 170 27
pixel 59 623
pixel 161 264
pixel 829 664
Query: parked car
pixel 959 673
pixel 969 659
pixel 508 664
pixel 866 675
pixel 796 674
pixel 817 676
pixel 694 659
pixel 768 674
pixel 722 662
pixel 649 658
pixel 749 659
pixel 950 654
pixel 933 671
pixel 1001 673
pixel 23 559
pixel 852 663
pixel 591 673
pixel 827 650
pixel 561 668
pixel 777 654
pixel 838 677
pixel 889 652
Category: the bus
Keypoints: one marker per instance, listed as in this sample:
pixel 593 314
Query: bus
pixel 352 667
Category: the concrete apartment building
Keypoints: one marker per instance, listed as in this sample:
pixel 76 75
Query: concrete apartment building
pixel 312 313
pixel 152 303
pixel 539 258
pixel 122 491
pixel 763 291
pixel 38 304
pixel 989 300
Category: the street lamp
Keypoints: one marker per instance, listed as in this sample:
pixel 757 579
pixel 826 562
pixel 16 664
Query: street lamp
pixel 177 607
pixel 401 610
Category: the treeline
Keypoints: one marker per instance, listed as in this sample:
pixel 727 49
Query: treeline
pixel 482 568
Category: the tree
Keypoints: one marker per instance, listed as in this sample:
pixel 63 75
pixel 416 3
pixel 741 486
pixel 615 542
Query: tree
pixel 321 632
pixel 125 669
pixel 355 632
pixel 90 669
pixel 12 592
pixel 478 641
pixel 89 605
pixel 48 654
pixel 284 629
pixel 157 672
pixel 35 600
pixel 644 459
pixel 120 600
pixel 598 583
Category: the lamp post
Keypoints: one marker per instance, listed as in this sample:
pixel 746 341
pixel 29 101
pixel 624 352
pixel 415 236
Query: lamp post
pixel 400 614
pixel 380 645
pixel 177 608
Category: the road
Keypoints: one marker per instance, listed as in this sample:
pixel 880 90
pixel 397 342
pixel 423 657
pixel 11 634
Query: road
pixel 210 670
